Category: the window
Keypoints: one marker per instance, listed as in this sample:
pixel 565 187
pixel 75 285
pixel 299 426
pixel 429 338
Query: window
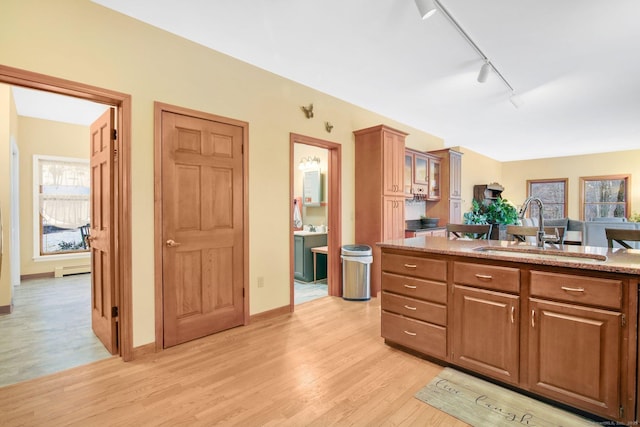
pixel 553 193
pixel 604 197
pixel 61 205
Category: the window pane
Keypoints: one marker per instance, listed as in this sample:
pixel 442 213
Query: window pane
pixel 63 198
pixel 605 191
pixel 552 194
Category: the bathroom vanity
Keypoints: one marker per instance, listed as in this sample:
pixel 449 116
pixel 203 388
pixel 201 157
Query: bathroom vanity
pixel 303 242
pixel 560 323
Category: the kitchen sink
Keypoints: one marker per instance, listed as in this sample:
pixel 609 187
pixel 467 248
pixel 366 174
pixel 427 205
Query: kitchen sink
pixel 534 252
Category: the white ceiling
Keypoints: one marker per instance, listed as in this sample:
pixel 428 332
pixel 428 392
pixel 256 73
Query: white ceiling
pixel 574 63
pixel 58 108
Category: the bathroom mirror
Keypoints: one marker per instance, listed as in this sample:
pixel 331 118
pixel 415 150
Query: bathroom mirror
pixel 312 188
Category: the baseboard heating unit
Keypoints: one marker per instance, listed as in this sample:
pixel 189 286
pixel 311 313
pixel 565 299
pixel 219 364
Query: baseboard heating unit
pixel 71 269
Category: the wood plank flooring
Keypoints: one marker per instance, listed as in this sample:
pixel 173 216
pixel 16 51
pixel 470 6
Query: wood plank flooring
pixel 49 329
pixel 323 365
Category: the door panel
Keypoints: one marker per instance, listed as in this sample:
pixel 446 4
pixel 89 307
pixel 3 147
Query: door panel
pixel 101 234
pixel 202 205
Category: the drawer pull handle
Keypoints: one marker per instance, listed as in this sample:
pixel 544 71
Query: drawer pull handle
pixel 533 318
pixel 513 312
pixel 410 286
pixel 569 289
pixel 408 307
pixel 410 266
pixel 413 334
pixel 484 277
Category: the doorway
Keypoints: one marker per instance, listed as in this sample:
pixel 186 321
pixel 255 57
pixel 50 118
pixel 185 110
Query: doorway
pixel 332 206
pixel 120 199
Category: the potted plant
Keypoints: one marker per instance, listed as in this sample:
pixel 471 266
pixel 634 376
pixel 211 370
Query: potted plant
pixel 499 213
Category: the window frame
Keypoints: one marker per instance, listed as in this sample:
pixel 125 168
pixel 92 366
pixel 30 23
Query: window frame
pixel 38 226
pixel 565 181
pixel 627 191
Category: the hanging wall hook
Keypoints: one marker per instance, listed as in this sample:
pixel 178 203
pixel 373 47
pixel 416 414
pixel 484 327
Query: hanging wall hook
pixel 308 111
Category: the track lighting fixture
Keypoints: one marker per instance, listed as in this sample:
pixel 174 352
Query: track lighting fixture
pixel 516 100
pixel 484 72
pixel 426 8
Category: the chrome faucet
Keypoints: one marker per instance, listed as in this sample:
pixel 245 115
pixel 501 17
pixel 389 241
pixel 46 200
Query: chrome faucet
pixel 540 237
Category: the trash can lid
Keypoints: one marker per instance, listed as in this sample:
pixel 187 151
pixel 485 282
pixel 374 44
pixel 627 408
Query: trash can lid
pixel 356 250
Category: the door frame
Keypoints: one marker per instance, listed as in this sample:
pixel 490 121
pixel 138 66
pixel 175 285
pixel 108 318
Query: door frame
pixel 158 109
pixel 334 237
pixel 122 233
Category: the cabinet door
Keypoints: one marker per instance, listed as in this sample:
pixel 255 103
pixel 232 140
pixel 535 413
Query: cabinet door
pixel 434 179
pixel 455 175
pixel 393 164
pixel 393 221
pixel 455 211
pixel 408 174
pixel 298 257
pixel 574 355
pixel 486 333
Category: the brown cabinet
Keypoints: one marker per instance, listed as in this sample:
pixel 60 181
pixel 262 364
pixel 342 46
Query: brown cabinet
pixel 424 171
pixel 562 333
pixel 485 332
pixel 414 298
pixel 380 187
pixel 574 346
pixel 486 319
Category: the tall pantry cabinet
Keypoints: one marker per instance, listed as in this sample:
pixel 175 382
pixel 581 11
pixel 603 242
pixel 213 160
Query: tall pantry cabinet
pixel 379 190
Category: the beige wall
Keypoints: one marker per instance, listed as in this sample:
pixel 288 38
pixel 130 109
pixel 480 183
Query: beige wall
pixel 477 170
pixel 82 41
pixel 44 137
pixel 516 174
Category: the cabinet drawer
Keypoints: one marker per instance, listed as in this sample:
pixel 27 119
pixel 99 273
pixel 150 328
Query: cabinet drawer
pixel 415 266
pixel 414 287
pixel 421 336
pixel 487 276
pixel 411 307
pixel 577 289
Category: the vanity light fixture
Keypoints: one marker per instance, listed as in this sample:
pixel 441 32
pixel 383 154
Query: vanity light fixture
pixel 488 65
pixel 307 163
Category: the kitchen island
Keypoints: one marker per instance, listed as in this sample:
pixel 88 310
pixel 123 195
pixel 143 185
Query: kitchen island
pixel 559 322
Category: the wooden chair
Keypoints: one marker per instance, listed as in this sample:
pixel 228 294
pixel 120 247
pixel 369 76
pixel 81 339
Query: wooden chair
pixel 520 232
pixel 622 236
pixel 476 231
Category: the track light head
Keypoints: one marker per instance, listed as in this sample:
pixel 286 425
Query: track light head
pixel 484 72
pixel 426 8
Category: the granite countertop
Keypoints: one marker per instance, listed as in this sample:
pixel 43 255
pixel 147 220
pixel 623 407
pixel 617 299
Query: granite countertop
pixel 615 260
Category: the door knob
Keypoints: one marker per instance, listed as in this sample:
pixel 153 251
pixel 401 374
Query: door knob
pixel 172 243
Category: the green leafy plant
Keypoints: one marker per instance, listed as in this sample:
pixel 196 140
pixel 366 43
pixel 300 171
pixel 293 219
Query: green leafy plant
pixel 635 217
pixel 475 215
pixel 501 211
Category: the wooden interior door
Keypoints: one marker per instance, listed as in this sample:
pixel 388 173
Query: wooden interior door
pixel 104 307
pixel 202 227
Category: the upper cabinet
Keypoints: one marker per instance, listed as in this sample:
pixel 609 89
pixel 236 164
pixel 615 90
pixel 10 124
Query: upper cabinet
pixel 424 171
pixel 392 162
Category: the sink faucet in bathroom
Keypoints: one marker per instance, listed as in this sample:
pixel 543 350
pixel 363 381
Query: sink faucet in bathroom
pixel 540 238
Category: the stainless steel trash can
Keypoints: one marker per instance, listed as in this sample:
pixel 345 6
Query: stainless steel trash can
pixel 356 272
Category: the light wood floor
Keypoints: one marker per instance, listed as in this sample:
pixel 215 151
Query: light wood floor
pixel 323 365
pixel 49 329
